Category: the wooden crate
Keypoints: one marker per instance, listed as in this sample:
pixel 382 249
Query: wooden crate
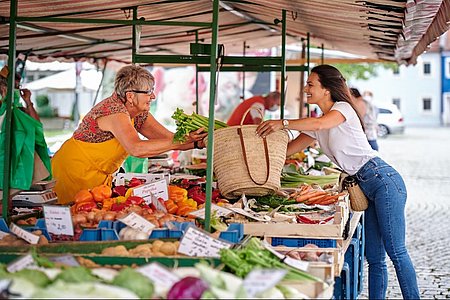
pixel 334 230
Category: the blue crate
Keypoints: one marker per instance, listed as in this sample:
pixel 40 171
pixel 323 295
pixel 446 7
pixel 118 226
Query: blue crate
pixel 352 258
pixel 361 256
pixel 90 235
pixel 300 242
pixel 342 284
pixel 108 235
pixel 3 226
pixel 234 233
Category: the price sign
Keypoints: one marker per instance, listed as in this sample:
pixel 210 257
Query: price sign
pixel 58 219
pixel 196 242
pixel 160 275
pixel 159 204
pixel 218 210
pixel 156 189
pixel 67 260
pixel 23 234
pixel 137 222
pixel 3 234
pixel 261 280
pixel 21 263
pixel 248 214
pixel 298 264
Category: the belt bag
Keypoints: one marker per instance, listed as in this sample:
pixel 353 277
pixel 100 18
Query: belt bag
pixel 358 200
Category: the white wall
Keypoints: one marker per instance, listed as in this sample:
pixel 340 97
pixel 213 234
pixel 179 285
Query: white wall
pixel 411 85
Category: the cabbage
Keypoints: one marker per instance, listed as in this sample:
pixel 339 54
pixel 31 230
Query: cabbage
pixel 134 281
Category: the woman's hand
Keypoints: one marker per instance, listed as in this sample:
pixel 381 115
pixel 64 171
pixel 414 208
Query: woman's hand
pixel 267 127
pixel 195 136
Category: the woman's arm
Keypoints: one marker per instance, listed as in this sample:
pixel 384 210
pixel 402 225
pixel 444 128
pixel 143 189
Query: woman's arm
pixel 26 96
pixel 161 140
pixel 300 143
pixel 329 120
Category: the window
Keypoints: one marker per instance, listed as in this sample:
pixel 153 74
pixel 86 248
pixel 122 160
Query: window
pixel 396 102
pixel 426 104
pixel 427 68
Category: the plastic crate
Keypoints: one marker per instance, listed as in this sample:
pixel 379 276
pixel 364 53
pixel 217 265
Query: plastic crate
pixel 234 233
pixel 301 242
pixel 352 258
pixel 361 256
pixel 342 284
pixel 3 226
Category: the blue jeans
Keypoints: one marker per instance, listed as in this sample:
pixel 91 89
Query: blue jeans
pixel 373 144
pixel 385 228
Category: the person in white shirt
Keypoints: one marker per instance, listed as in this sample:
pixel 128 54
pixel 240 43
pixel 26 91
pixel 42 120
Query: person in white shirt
pixel 369 113
pixel 340 134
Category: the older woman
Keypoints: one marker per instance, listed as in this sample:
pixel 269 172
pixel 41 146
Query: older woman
pixel 109 133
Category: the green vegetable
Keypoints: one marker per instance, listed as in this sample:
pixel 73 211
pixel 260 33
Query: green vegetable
pixel 134 281
pixel 186 124
pixel 253 255
pixel 76 274
pixel 38 278
pixel 290 179
pixel 40 260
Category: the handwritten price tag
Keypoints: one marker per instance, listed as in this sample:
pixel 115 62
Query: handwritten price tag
pixel 218 210
pixel 156 189
pixel 137 222
pixel 23 234
pixel 21 263
pixel 260 280
pixel 67 260
pixel 298 264
pixel 3 234
pixel 196 242
pixel 58 219
pixel 160 275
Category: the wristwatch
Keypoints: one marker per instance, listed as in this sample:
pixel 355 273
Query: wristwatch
pixel 285 124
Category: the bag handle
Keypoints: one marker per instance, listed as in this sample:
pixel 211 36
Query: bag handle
pixel 248 110
pixel 266 153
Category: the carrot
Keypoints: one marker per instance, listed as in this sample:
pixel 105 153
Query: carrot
pixel 307 196
pixel 329 200
pixel 316 199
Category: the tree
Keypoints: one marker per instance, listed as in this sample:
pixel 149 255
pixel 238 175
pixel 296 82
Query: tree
pixel 363 71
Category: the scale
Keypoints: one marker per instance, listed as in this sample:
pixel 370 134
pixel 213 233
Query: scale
pixel 163 160
pixel 41 193
pixel 34 198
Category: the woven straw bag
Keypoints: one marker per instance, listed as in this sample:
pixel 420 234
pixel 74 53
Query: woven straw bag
pixel 247 163
pixel 358 200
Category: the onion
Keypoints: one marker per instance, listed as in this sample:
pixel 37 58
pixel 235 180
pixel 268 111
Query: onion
pixel 109 216
pixel 78 218
pixel 91 216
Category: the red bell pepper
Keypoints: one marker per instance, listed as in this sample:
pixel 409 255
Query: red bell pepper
pixel 86 206
pixel 118 206
pixel 119 190
pixel 135 200
pixel 135 182
pixel 197 194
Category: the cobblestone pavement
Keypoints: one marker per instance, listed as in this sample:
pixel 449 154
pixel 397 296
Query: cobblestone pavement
pixel 422 156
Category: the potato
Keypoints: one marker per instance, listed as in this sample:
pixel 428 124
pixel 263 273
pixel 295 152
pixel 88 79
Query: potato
pixel 168 249
pixel 115 251
pixel 42 240
pixel 156 245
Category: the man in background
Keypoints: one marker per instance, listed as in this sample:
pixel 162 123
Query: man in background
pixel 258 104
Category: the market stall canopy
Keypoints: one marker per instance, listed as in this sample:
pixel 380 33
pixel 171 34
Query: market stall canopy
pixel 391 30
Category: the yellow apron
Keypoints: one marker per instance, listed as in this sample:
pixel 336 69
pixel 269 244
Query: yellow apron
pixel 81 165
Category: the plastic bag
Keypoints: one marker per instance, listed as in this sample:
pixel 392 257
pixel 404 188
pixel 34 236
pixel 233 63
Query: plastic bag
pixel 136 165
pixel 27 137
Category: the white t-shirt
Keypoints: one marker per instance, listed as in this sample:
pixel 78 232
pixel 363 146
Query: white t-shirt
pixel 346 145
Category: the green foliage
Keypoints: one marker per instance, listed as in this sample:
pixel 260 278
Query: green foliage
pixel 42 100
pixel 363 71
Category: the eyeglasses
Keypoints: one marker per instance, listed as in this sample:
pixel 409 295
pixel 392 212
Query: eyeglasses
pixel 149 92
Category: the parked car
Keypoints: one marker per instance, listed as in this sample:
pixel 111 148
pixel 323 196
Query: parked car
pixel 390 120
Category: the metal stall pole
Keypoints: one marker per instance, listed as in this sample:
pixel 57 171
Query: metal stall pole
pixel 322 54
pixel 134 40
pixel 283 63
pixel 308 108
pixel 243 73
pixel 212 97
pixel 9 101
pixel 196 76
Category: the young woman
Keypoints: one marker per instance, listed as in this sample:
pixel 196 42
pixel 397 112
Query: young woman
pixel 340 134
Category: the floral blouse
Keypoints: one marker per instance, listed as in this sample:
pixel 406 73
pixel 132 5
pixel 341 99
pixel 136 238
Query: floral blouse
pixel 88 131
